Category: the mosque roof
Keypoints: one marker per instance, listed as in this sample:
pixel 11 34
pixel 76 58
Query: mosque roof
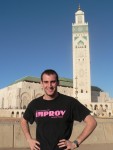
pixel 62 81
pixel 95 88
pixel 28 79
pixel 65 82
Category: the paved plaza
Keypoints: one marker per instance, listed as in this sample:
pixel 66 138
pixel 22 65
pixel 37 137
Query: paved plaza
pixel 102 146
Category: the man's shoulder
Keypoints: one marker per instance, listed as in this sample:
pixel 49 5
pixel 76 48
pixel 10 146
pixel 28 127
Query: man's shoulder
pixel 67 98
pixel 36 100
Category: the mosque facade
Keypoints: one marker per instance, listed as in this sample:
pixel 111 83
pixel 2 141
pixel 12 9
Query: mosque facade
pixel 15 97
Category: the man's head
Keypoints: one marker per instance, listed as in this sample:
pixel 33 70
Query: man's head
pixel 49 72
pixel 49 82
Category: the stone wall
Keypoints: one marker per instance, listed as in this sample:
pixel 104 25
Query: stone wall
pixel 11 135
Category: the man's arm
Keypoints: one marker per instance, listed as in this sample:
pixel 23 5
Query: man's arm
pixel 34 145
pixel 88 129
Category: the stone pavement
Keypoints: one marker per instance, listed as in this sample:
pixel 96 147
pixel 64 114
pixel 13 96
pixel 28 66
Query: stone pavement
pixel 103 146
pixel 14 149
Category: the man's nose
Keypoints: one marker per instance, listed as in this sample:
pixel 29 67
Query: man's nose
pixel 49 84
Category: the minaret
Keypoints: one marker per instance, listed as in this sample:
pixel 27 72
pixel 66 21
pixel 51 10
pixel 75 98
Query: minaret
pixel 81 58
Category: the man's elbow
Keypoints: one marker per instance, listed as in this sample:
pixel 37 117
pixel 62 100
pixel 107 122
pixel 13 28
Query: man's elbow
pixel 92 122
pixel 95 123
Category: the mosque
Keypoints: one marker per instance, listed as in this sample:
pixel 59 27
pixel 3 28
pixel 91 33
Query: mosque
pixel 15 97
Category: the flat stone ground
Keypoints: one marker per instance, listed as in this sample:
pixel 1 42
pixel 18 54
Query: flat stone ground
pixel 102 146
pixel 82 147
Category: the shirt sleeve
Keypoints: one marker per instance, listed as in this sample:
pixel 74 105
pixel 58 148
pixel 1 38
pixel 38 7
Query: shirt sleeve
pixel 79 111
pixel 29 115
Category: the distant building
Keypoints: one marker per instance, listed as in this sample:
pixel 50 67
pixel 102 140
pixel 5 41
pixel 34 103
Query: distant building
pixel 15 98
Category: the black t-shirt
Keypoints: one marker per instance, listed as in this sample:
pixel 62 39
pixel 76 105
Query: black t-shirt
pixel 54 119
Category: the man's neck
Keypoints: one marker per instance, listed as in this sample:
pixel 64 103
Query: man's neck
pixel 47 97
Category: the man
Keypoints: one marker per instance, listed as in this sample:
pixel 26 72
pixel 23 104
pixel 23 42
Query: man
pixel 54 114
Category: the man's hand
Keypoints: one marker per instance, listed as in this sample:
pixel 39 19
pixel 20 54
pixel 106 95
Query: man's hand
pixel 66 144
pixel 34 145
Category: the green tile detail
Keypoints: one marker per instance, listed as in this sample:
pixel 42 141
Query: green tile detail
pixel 80 29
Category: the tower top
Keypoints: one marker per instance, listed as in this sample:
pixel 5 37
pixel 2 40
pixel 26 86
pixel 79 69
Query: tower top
pixel 79 16
pixel 79 11
pixel 79 7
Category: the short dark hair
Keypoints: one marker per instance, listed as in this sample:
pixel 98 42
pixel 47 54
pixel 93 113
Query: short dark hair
pixel 49 72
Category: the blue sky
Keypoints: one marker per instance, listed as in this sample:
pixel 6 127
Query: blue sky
pixel 37 35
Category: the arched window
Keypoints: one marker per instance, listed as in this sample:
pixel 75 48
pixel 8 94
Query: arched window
pixel 81 91
pixel 22 114
pixel 17 114
pixel 95 107
pixel 24 107
pixel 12 114
pixel 109 114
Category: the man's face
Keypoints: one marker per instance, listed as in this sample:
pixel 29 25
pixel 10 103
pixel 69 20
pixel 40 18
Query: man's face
pixel 49 84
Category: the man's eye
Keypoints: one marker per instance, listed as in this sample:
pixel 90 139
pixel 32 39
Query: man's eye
pixel 53 81
pixel 45 82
